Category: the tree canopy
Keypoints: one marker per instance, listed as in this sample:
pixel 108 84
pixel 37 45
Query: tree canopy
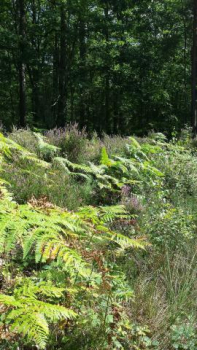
pixel 113 66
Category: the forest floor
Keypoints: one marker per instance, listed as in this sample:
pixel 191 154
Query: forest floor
pixel 98 246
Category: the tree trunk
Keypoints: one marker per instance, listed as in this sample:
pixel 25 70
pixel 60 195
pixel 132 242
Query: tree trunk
pixel 54 107
pixel 22 66
pixel 82 52
pixel 194 70
pixel 35 70
pixel 62 102
pixel 107 116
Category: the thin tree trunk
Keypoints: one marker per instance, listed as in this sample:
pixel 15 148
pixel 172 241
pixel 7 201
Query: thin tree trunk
pixel 194 70
pixel 55 78
pixel 35 71
pixel 62 101
pixel 82 52
pixel 107 116
pixel 22 66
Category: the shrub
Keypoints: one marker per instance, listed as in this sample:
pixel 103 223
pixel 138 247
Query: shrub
pixel 170 227
pixel 70 140
pixel 27 181
pixel 25 138
pixel 114 144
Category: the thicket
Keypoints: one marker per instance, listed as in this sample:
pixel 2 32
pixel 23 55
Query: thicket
pixel 97 241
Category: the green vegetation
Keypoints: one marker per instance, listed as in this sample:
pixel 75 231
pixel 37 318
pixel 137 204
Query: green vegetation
pixel 114 66
pixel 97 241
pixel 98 174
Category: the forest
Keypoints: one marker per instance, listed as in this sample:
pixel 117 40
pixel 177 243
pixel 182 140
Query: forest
pixel 114 66
pixel 98 175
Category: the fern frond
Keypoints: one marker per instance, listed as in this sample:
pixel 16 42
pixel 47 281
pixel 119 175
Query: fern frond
pixel 105 158
pixel 127 242
pixel 9 147
pixel 134 142
pixel 34 326
pixel 30 316
pixel 8 300
pixel 45 148
pixel 110 213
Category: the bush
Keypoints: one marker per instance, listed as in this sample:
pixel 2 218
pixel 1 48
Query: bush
pixel 114 144
pixel 27 181
pixel 70 140
pixel 170 227
pixel 25 138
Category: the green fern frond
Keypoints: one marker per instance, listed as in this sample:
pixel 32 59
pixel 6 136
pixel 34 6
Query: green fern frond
pixel 30 316
pixel 73 169
pixel 127 242
pixel 110 213
pixel 129 164
pixel 103 214
pixel 9 147
pixel 8 300
pixel 105 158
pixel 45 149
pixel 134 142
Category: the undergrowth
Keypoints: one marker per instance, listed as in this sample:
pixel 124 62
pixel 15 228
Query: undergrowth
pixel 97 241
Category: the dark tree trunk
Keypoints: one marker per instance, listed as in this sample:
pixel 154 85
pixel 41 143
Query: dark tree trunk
pixel 194 70
pixel 82 52
pixel 22 66
pixel 62 101
pixel 107 116
pixel 35 70
pixel 55 78
pixel 34 80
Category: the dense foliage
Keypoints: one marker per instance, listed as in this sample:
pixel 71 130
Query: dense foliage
pixel 98 246
pixel 97 241
pixel 113 66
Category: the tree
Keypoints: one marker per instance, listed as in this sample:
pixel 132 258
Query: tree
pixel 22 64
pixel 113 66
pixel 194 69
pixel 62 98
